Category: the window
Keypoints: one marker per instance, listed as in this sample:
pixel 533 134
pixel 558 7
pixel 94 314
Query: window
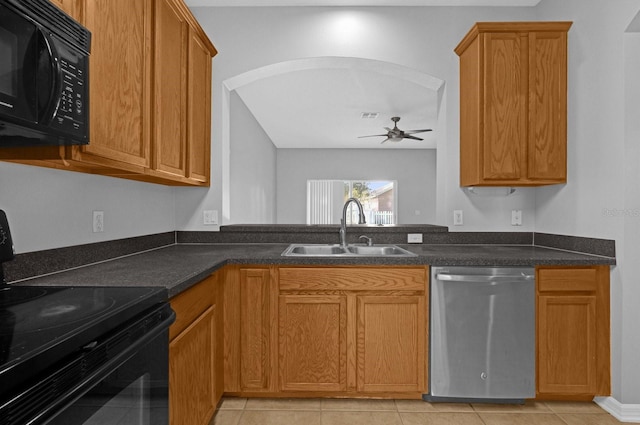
pixel 326 198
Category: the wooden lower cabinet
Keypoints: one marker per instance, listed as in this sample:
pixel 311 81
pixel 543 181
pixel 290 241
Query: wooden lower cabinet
pixel 195 375
pixel 353 331
pixel 391 336
pixel 313 343
pixel 191 372
pixel 573 348
pixel 250 329
pixel 300 331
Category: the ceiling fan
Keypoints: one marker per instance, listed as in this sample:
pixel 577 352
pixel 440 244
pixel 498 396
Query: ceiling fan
pixel 395 134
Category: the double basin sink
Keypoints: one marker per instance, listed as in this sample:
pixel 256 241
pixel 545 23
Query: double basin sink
pixel 336 250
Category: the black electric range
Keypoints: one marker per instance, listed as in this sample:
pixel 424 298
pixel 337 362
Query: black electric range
pixel 42 325
pixel 82 355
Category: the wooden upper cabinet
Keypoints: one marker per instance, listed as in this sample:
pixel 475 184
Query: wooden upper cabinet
pixel 513 101
pixel 199 109
pixel 144 125
pixel 182 106
pixel 120 89
pixel 169 153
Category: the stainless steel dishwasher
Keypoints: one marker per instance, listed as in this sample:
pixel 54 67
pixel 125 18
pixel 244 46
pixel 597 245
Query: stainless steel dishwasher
pixel 482 340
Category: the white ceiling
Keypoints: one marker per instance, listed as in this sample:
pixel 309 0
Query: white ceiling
pixel 321 106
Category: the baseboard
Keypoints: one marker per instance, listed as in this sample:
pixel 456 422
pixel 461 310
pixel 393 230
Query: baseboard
pixel 622 412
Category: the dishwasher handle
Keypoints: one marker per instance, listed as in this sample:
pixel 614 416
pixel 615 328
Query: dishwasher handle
pixel 484 278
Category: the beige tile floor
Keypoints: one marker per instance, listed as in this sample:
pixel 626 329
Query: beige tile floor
pixel 242 411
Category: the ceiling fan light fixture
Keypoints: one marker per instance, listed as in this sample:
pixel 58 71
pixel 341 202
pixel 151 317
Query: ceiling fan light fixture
pixel 395 134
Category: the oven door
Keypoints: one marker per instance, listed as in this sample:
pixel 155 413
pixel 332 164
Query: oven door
pixel 132 393
pixel 121 379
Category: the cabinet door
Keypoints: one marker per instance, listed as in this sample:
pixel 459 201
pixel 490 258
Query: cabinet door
pixel 505 108
pixel 120 97
pixel 513 96
pixel 255 329
pixel 199 93
pixel 170 84
pixel 391 340
pixel 191 373
pixel 567 344
pixel 547 106
pixel 313 343
pixel 573 332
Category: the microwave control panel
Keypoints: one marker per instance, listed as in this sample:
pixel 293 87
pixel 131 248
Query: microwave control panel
pixel 71 114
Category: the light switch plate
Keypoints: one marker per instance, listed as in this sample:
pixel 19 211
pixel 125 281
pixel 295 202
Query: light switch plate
pixel 414 238
pixel 457 218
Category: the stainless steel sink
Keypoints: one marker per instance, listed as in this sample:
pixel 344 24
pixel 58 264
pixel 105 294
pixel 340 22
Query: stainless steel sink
pixel 322 250
pixel 313 250
pixel 380 250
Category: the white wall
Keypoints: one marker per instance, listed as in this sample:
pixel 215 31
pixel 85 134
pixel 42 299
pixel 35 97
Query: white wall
pixel 50 208
pixel 601 198
pixel 627 281
pixel 414 170
pixel 419 38
pixel 253 168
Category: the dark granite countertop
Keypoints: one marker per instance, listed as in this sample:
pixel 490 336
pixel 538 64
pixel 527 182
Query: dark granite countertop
pixel 177 267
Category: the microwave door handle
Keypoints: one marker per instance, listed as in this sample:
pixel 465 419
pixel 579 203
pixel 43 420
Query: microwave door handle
pixel 47 77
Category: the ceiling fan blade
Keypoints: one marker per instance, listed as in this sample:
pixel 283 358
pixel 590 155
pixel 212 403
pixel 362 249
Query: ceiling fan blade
pixel 385 140
pixel 373 135
pixel 407 136
pixel 417 131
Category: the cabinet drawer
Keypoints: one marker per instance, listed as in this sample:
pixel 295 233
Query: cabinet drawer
pixel 192 303
pixel 567 279
pixel 353 278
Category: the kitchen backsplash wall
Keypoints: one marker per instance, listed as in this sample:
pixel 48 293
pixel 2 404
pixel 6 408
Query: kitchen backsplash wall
pixel 49 208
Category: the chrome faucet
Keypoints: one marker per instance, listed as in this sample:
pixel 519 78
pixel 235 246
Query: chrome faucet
pixel 343 221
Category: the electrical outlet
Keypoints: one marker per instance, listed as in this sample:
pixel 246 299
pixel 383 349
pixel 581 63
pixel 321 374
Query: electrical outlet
pixel 414 238
pixel 457 218
pixel 210 217
pixel 516 217
pixel 98 221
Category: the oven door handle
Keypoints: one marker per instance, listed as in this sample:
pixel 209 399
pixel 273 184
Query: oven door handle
pixel 105 369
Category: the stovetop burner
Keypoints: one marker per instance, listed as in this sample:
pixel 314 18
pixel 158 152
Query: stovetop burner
pixel 37 309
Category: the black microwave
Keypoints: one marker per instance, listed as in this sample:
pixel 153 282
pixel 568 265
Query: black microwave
pixel 44 75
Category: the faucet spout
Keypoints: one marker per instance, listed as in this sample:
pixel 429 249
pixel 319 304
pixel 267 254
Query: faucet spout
pixel 343 221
